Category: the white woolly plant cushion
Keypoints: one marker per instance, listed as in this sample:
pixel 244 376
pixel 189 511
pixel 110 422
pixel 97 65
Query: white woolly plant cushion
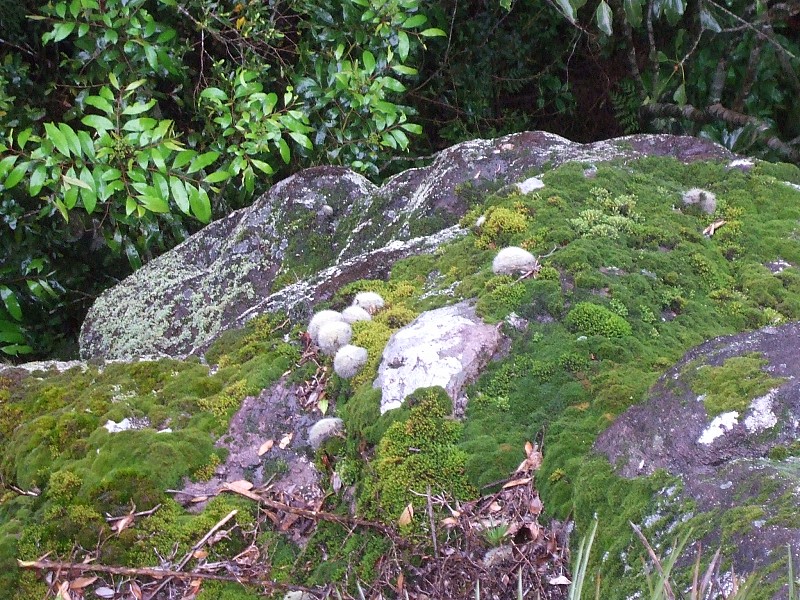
pixel 332 336
pixel 351 314
pixel 513 260
pixel 349 360
pixel 319 319
pixel 369 301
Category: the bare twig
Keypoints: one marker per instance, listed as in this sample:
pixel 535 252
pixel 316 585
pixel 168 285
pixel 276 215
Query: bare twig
pixel 433 524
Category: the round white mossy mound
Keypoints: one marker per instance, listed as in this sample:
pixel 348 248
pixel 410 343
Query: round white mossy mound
pixel 707 201
pixel 319 319
pixel 369 301
pixel 351 314
pixel 333 335
pixel 349 360
pixel 513 260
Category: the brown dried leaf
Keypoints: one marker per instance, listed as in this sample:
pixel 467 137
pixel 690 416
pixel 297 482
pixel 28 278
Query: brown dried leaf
pixel 123 523
pixel 241 484
pixel 104 592
pixel 266 447
pixel 560 580
pixel 494 507
pixel 242 490
pixel 450 522
pixel 81 582
pixel 407 515
pixel 711 229
pixel 400 583
pixel 136 591
pixel 63 591
pixel 286 440
pixel 536 507
pixel 200 554
pixel 516 482
pixel 198 499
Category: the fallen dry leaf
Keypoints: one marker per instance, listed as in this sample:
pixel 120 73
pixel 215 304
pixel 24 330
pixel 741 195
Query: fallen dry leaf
pixel 136 591
pixel 536 506
pixel 407 515
pixel 560 580
pixel 516 482
pixel 266 447
pixel 197 499
pixel 104 592
pixel 242 490
pixel 286 440
pixel 63 591
pixel 200 554
pixel 81 582
pixel 123 523
pixel 711 229
pixel 400 581
pixel 494 507
pixel 449 522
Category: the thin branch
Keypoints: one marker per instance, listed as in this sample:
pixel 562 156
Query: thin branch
pixel 717 112
pixel 751 27
pixel 72 567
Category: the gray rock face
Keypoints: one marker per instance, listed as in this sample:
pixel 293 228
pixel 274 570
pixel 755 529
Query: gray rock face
pixel 318 230
pixel 725 462
pixel 447 347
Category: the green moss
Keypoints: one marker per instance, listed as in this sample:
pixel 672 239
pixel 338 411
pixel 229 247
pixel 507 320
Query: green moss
pixel 500 225
pixel 734 384
pixel 418 453
pixel 372 335
pixel 592 319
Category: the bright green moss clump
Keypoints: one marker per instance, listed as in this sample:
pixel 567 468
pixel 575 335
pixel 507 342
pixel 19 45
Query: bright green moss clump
pixel 593 319
pixel 420 452
pixel 734 384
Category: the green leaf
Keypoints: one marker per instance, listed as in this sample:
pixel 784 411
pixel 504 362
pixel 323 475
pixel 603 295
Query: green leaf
pixel 708 21
pixel 404 70
pixel 283 147
pixel 680 95
pixel 100 103
pixel 412 128
pixel 22 138
pixel 403 45
pixel 140 124
pixel 71 196
pixel 392 84
pixel 201 206
pixel 673 10
pixel 72 181
pixel 153 203
pixel 89 193
pixel 301 139
pixel 37 180
pixel 112 78
pixel 604 18
pixel 7 163
pixel 72 138
pixel 87 144
pixel 202 161
pixel 633 11
pixel 98 123
pixel 16 175
pixel 402 139
pixel 10 332
pixel 213 93
pixel 217 176
pixel 183 158
pixel 179 194
pixel 10 300
pixel 566 9
pixel 414 21
pixel 433 32
pixel 262 166
pixel 62 30
pixel 368 59
pixel 137 109
pixel 59 141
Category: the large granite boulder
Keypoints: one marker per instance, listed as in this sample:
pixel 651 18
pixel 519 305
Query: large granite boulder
pixel 318 230
pixel 726 420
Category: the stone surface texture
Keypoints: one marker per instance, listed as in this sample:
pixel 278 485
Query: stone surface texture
pixel 723 462
pixel 318 230
pixel 447 347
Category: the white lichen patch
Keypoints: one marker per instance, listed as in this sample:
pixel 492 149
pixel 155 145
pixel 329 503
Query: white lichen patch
pixel 761 416
pixel 718 426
